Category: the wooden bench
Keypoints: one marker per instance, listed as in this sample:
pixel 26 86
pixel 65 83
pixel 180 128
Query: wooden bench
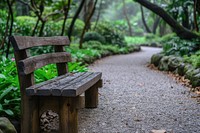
pixel 61 94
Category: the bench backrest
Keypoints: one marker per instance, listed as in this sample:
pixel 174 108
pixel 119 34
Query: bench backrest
pixel 27 64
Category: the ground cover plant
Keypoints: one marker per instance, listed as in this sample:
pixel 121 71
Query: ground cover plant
pixel 193 59
pixel 186 49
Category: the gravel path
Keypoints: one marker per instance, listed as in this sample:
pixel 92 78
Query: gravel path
pixel 135 99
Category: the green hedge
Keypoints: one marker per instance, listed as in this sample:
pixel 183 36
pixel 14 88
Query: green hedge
pixel 24 25
pixel 112 34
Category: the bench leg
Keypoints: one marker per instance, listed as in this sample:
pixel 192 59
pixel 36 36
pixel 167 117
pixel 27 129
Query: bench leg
pixel 68 115
pixel 91 97
pixel 29 115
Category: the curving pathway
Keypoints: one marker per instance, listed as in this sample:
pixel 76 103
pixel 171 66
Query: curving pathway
pixel 135 99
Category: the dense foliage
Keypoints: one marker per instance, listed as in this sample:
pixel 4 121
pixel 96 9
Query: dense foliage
pixel 93 36
pixel 24 26
pixel 180 47
pixel 111 33
pixel 193 59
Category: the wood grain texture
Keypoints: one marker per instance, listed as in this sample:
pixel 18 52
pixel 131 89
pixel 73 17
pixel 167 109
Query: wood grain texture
pixel 68 115
pixel 49 103
pixel 91 97
pixel 45 88
pixel 31 64
pixel 81 86
pixel 61 67
pixel 81 101
pixel 25 42
pixel 66 85
pixel 29 105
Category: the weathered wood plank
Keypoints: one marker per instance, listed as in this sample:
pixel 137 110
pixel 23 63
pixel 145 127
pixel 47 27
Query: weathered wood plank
pixel 46 88
pixel 66 85
pixel 57 91
pixel 25 42
pixel 55 88
pixel 80 87
pixel 29 65
pixel 30 90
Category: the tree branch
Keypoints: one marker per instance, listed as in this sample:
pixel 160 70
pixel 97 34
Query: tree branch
pixel 74 18
pixel 178 29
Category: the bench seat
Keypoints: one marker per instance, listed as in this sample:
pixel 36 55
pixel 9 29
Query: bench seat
pixel 69 85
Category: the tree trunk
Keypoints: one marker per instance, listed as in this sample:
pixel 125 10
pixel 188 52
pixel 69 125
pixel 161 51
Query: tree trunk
pixel 98 15
pixel 178 29
pixel 66 11
pixel 162 27
pixel 195 16
pixel 185 20
pixel 127 19
pixel 36 25
pixel 85 10
pixel 86 24
pixel 74 18
pixel 144 21
pixel 155 25
pixel 42 28
pixel 198 6
pixel 11 24
pixel 89 9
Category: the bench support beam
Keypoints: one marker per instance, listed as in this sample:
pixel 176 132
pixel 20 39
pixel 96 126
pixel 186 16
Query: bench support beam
pixel 68 115
pixel 91 97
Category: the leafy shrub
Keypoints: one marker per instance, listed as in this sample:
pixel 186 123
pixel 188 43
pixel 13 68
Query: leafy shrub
pixel 93 45
pixel 135 40
pixel 121 25
pixel 167 37
pixel 111 49
pixel 152 38
pixel 138 31
pixel 52 28
pixel 79 55
pixel 3 15
pixel 9 92
pixel 24 25
pixel 93 36
pixel 102 48
pixel 194 59
pixel 3 18
pixel 111 34
pixel 41 50
pixel 177 46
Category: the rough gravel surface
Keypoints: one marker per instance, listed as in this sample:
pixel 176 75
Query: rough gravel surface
pixel 135 99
